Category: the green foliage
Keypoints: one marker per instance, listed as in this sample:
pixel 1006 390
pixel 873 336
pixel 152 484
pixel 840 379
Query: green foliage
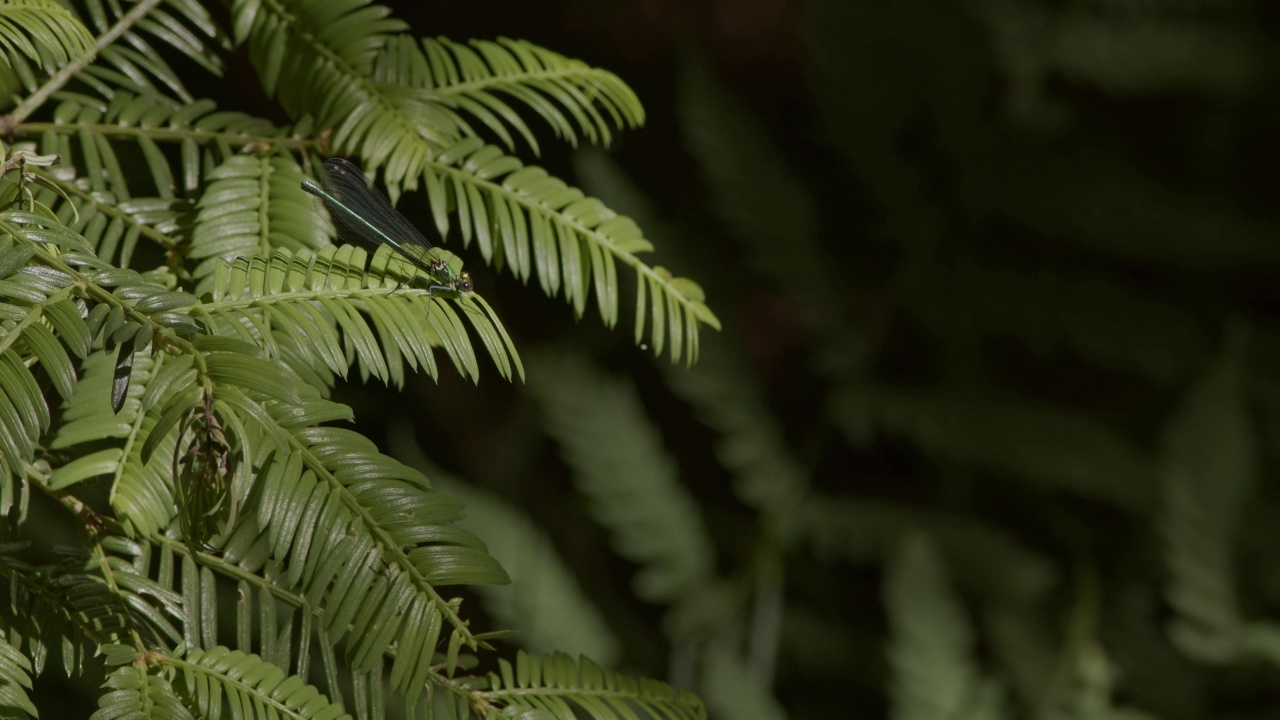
pixel 548 683
pixel 931 654
pixel 15 681
pixel 176 313
pixel 40 30
pixel 619 463
pixel 1207 472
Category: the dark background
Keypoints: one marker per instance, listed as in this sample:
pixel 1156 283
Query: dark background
pixel 975 257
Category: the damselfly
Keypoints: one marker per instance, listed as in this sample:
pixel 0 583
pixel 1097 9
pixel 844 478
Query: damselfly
pixel 359 208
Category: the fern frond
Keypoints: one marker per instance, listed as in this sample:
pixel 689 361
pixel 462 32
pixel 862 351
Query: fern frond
pixel 135 694
pixel 29 26
pixel 375 544
pixel 931 642
pixel 253 205
pixel 524 218
pixel 620 465
pixel 482 77
pixel 543 600
pixel 185 26
pixel 310 298
pixel 317 57
pixel 247 686
pixel 557 685
pixel 15 681
pixel 1207 468
pixel 183 585
pixel 61 611
pixel 141 491
pixel 146 120
pixel 36 309
pixel 134 59
pixel 1027 440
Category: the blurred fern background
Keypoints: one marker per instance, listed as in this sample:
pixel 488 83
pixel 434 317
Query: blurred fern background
pixel 985 429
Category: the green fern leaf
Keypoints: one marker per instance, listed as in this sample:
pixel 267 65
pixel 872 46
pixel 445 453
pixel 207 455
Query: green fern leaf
pixel 135 694
pixel 482 77
pixel 560 687
pixel 375 545
pixel 620 465
pixel 15 681
pixel 931 642
pixel 34 302
pixel 309 298
pixel 317 57
pixel 29 26
pixel 58 612
pixel 543 599
pixel 524 218
pixel 1208 469
pixel 248 687
pixel 148 120
pixel 253 205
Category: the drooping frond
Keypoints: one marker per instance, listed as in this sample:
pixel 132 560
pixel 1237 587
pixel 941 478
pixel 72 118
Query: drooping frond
pixel 181 587
pixel 253 205
pixel 58 613
pixel 557 685
pixel 365 540
pixel 1207 469
pixel 482 78
pixel 128 59
pixel 40 329
pixel 620 465
pixel 931 643
pixel 543 600
pixel 15 681
pixel 186 26
pixel 528 220
pixel 31 26
pixel 321 302
pixel 1026 440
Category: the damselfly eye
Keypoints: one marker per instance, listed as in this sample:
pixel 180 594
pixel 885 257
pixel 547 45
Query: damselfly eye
pixel 464 282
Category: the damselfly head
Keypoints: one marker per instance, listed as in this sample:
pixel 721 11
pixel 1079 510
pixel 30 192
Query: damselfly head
pixel 464 282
